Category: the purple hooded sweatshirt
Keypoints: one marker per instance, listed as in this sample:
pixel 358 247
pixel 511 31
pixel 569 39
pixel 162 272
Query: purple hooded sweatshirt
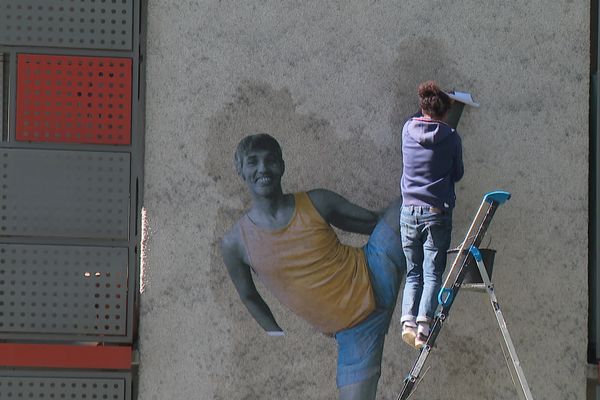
pixel 432 162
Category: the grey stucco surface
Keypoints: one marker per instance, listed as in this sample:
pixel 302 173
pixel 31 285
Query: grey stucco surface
pixel 333 81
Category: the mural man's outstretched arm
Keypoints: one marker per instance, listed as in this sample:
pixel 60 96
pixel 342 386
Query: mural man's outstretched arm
pixel 239 270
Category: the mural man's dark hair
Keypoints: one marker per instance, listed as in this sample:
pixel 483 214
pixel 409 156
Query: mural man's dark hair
pixel 262 141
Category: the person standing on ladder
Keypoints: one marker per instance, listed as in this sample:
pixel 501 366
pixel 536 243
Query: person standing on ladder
pixel 432 163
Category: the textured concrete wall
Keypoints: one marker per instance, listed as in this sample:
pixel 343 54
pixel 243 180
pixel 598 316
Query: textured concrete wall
pixel 333 81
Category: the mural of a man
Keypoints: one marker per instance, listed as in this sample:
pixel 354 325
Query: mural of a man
pixel 287 240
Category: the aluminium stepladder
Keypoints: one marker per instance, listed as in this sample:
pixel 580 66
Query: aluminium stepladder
pixel 489 205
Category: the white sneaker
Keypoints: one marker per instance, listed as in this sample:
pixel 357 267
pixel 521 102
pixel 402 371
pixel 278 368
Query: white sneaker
pixel 422 334
pixel 409 333
pixel 420 340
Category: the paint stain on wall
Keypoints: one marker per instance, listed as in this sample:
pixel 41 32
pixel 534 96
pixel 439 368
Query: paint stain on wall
pixel 421 59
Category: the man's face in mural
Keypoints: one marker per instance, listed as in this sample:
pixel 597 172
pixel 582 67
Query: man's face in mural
pixel 262 171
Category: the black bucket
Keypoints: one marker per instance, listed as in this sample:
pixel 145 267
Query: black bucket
pixel 472 275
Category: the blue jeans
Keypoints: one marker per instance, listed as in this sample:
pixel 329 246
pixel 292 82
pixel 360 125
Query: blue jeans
pixel 425 241
pixel 360 347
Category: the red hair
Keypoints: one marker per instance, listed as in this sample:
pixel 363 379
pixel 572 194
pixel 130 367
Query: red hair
pixel 433 100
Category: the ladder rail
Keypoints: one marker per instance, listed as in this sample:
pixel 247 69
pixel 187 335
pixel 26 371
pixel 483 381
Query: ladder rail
pixel 507 343
pixel 474 237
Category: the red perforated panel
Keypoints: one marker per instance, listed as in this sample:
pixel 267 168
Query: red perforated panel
pixel 64 356
pixel 73 99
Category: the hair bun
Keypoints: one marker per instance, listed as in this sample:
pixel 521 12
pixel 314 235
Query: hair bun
pixel 433 100
pixel 429 89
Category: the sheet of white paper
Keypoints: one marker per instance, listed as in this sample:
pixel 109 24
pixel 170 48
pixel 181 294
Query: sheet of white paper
pixel 463 97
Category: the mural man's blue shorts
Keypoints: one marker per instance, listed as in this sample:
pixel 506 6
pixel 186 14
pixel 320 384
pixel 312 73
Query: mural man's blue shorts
pixel 360 347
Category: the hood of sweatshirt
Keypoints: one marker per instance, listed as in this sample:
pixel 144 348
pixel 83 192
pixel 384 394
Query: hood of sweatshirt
pixel 428 132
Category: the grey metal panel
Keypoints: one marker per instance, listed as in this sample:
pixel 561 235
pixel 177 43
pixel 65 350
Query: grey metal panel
pixel 37 385
pixel 593 269
pixel 595 215
pixel 52 193
pixel 2 100
pixel 93 24
pixel 594 276
pixel 11 82
pixel 63 290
